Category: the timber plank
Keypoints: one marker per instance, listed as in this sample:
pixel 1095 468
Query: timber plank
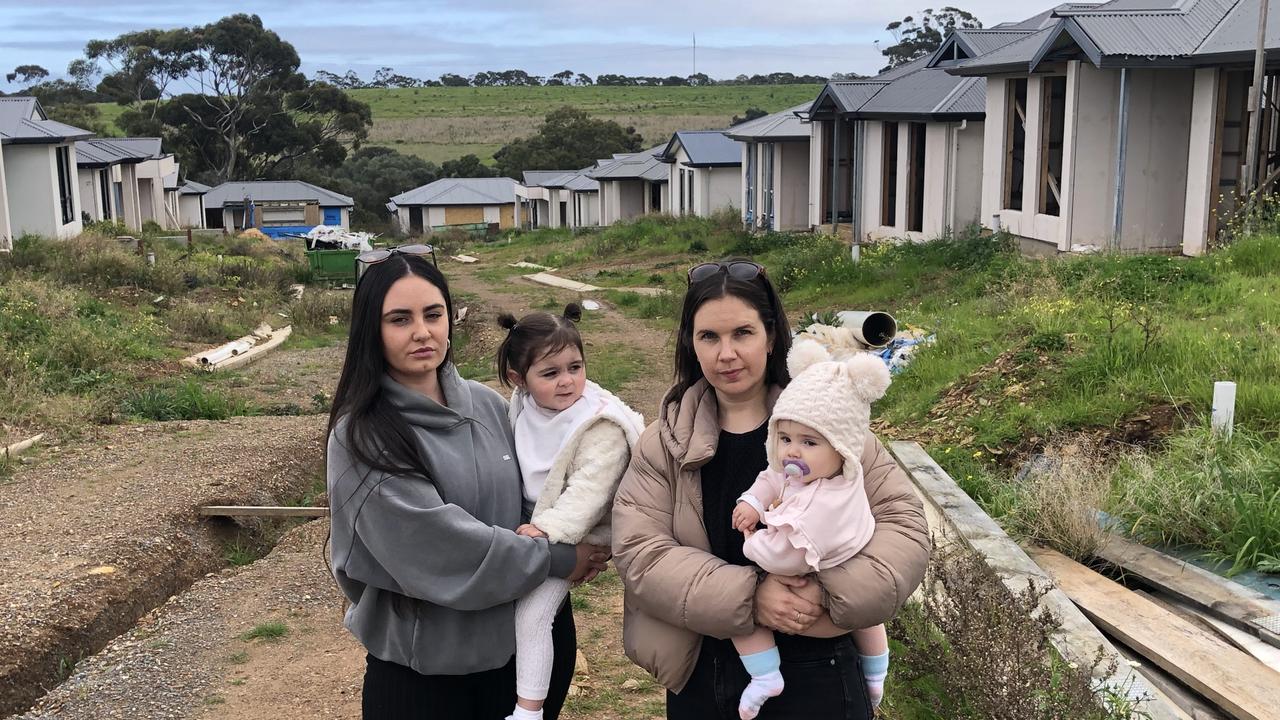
pixel 1237 683
pixel 1234 603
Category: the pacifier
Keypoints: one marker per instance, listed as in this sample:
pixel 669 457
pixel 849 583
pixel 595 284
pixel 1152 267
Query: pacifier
pixel 795 468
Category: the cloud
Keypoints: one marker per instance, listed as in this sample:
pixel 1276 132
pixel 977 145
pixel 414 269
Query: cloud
pixel 432 37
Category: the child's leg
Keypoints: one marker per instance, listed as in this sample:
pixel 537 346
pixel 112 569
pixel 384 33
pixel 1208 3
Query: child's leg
pixel 873 646
pixel 535 614
pixel 760 658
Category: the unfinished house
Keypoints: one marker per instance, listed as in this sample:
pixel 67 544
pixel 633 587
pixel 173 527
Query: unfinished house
pixel 899 155
pixel 558 198
pixel 1123 125
pixel 453 202
pixel 39 159
pixel 108 181
pixel 775 170
pixel 275 207
pixel 631 185
pixel 705 169
pixel 157 180
pixel 191 204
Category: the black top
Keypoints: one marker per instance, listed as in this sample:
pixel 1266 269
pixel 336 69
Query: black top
pixel 738 460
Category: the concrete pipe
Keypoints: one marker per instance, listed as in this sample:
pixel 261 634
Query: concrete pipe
pixel 873 329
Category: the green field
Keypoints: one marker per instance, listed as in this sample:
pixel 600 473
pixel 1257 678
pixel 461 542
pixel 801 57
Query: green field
pixel 441 123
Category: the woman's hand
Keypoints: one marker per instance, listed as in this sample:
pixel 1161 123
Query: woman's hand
pixel 745 518
pixel 779 607
pixel 592 560
pixel 532 531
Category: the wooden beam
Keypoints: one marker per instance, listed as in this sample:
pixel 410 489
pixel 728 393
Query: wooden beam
pixel 1242 640
pixel 1077 639
pixel 1196 707
pixel 262 511
pixel 1234 603
pixel 1235 682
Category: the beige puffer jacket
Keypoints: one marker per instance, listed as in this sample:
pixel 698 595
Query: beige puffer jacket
pixel 677 591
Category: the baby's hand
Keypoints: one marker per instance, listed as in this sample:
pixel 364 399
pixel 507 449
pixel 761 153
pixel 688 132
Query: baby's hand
pixel 745 518
pixel 530 531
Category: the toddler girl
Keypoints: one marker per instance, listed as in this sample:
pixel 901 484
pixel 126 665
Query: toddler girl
pixel 573 440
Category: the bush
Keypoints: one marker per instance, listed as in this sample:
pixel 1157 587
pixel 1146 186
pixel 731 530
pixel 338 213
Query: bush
pixel 1056 503
pixel 201 322
pixel 311 313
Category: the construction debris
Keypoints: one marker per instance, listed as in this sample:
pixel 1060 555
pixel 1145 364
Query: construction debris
pixel 466 259
pixel 240 352
pixel 531 266
pixel 330 237
pixel 16 449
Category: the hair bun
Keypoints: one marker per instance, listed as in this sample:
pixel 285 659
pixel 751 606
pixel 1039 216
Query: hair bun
pixel 573 312
pixel 507 321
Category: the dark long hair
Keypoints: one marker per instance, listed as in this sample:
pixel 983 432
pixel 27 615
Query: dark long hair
pixel 534 337
pixel 759 294
pixel 377 435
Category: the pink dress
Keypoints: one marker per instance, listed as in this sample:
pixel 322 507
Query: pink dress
pixel 814 525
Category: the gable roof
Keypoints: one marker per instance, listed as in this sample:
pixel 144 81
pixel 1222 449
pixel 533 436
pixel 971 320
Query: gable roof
pixel 783 125
pixel 23 121
pixel 1138 33
pixel 576 180
pixel 971 43
pixel 705 148
pixel 191 187
pixel 235 192
pixel 148 147
pixel 461 191
pixel 102 152
pixel 644 165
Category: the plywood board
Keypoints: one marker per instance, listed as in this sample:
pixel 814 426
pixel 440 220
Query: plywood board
pixel 463 214
pixel 507 216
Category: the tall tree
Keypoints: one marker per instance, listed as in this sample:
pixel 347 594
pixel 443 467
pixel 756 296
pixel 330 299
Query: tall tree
pixel 568 139
pixel 143 65
pixel 916 37
pixel 247 111
pixel 27 74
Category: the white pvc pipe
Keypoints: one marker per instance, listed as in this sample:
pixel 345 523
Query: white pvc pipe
pixel 20 447
pixel 1224 408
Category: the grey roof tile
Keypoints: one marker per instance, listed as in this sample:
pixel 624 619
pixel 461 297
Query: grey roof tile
pixel 778 126
pixel 461 191
pixel 705 148
pixel 273 191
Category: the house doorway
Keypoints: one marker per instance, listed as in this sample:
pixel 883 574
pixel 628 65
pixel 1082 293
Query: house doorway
pixel 415 220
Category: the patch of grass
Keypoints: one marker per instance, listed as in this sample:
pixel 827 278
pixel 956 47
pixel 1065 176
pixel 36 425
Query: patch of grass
pixel 214 700
pixel 269 631
pixel 187 399
pixel 239 657
pixel 239 554
pixel 614 366
pixel 1207 492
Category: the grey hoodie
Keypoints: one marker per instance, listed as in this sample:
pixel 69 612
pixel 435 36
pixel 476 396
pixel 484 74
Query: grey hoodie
pixel 432 568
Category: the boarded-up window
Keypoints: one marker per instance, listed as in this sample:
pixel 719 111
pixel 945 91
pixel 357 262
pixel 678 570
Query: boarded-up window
pixel 1053 129
pixel 1015 142
pixel 463 214
pixel 889 176
pixel 915 177
pixel 507 216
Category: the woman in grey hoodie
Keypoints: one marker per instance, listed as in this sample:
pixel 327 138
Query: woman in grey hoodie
pixel 425 496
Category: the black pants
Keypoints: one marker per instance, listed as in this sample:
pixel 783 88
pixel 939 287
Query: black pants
pixel 823 678
pixel 395 692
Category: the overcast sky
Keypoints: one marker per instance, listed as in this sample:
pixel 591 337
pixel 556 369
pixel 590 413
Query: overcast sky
pixel 426 38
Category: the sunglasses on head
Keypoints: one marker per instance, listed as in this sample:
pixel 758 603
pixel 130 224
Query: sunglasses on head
pixel 373 257
pixel 744 270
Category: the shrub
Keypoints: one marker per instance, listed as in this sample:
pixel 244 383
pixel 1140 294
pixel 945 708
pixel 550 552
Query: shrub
pixel 1056 503
pixel 312 312
pixel 187 400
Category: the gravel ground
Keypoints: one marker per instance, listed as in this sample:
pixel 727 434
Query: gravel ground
pixel 190 657
pixel 91 537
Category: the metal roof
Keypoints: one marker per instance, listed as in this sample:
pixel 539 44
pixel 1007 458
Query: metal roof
pixel 1014 57
pixel 930 93
pixel 846 97
pixel 576 180
pixel 22 120
pixel 1237 33
pixel 170 181
pixel 273 191
pixel 147 147
pixel 643 165
pixel 778 126
pixel 704 148
pixel 102 152
pixel 461 191
pixel 1152 28
pixel 191 187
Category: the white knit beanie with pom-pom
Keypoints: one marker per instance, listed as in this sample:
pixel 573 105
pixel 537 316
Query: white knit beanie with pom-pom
pixel 831 396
